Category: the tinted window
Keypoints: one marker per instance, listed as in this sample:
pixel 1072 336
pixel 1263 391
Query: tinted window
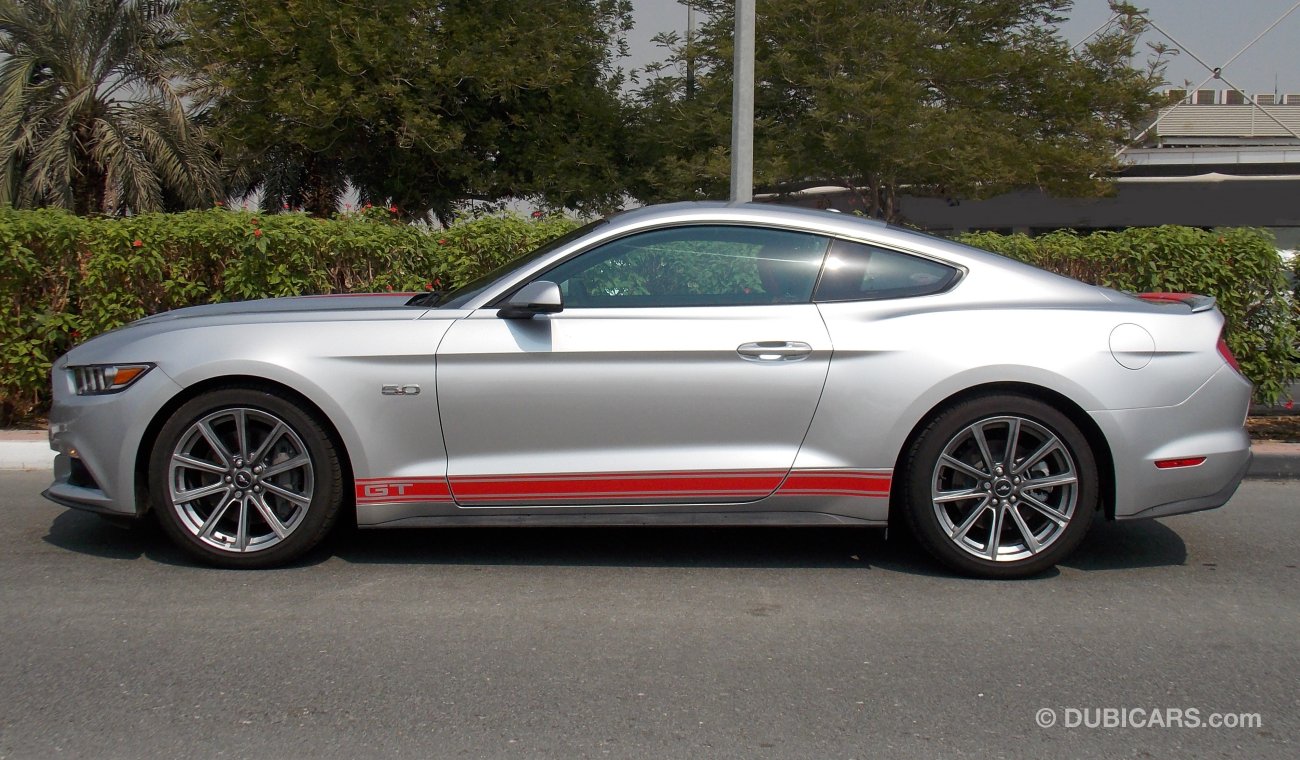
pixel 694 266
pixel 857 272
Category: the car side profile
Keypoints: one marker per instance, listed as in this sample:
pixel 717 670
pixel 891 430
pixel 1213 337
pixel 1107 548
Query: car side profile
pixel 687 364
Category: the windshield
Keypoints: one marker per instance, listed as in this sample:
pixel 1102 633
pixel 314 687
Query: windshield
pixel 465 293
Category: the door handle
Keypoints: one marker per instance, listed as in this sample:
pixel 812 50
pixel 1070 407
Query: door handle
pixel 774 351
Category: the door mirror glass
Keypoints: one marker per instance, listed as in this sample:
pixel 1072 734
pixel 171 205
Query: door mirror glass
pixel 537 297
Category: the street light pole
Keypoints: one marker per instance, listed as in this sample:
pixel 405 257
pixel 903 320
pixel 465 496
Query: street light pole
pixel 690 49
pixel 742 106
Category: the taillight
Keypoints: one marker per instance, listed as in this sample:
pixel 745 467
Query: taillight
pixel 1226 353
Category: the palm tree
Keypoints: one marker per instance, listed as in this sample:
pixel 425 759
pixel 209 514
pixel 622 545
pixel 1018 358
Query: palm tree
pixel 91 115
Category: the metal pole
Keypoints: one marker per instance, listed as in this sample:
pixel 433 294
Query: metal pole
pixel 742 106
pixel 690 49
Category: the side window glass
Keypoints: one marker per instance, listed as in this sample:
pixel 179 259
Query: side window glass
pixel 858 272
pixel 694 266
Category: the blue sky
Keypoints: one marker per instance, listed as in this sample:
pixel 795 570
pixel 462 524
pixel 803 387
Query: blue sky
pixel 1213 30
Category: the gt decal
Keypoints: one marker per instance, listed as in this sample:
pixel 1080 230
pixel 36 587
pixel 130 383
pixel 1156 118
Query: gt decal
pixel 399 490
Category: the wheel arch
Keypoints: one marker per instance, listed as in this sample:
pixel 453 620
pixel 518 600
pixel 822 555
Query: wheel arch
pixel 1096 439
pixel 252 382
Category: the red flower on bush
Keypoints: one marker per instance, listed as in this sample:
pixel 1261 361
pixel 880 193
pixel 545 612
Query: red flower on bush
pixel 1289 404
pixel 437 281
pixel 442 241
pixel 393 209
pixel 137 243
pixel 257 233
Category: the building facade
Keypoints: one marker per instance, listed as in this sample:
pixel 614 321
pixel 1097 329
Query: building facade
pixel 1211 159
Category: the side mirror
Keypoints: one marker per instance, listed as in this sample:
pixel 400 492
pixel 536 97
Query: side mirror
pixel 538 297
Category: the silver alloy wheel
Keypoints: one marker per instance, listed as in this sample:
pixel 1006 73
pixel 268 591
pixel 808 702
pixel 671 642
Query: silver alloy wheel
pixel 241 480
pixel 1004 488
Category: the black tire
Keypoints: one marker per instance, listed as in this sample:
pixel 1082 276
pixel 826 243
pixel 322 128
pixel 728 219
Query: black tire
pixel 1029 499
pixel 277 496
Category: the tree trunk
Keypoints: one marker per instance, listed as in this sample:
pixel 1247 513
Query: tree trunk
pixel 89 181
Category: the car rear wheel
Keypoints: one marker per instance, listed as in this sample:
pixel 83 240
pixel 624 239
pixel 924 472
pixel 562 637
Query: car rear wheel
pixel 244 478
pixel 1001 486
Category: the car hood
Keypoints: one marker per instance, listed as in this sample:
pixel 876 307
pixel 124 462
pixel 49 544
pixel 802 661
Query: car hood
pixel 123 344
pixel 273 309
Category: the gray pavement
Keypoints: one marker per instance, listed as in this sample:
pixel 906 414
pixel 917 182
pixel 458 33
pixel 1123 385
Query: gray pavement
pixel 705 643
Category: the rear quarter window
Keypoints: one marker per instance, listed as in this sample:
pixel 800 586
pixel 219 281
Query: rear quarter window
pixel 860 272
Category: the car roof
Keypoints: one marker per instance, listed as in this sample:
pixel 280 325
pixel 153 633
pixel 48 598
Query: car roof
pixel 849 226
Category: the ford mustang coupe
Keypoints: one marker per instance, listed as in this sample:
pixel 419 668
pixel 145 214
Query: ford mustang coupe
pixel 688 364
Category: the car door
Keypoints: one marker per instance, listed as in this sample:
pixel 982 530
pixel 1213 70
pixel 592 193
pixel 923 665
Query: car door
pixel 685 367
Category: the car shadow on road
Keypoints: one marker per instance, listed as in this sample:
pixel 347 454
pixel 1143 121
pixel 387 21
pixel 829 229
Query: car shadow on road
pixel 90 534
pixel 1109 546
pixel 804 547
pixel 704 547
pixel 1128 545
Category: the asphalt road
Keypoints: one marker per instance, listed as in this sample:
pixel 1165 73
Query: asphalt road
pixel 674 643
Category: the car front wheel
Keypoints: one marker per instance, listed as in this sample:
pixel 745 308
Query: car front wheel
pixel 244 478
pixel 1001 486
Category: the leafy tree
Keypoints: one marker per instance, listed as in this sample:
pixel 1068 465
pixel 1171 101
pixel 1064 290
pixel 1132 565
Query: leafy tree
pixel 946 97
pixel 90 116
pixel 420 103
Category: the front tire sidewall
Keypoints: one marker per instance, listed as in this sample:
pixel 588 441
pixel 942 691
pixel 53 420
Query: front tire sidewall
pixel 326 476
pixel 924 456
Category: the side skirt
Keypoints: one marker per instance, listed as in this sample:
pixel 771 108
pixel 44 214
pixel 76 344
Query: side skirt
pixel 553 519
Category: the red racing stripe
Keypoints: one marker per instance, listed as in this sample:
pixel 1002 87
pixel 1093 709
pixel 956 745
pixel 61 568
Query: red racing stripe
pixel 711 484
pixel 740 484
pixel 837 483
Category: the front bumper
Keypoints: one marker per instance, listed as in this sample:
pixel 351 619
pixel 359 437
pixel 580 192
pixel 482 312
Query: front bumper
pixel 85 497
pixel 1210 424
pixel 96 440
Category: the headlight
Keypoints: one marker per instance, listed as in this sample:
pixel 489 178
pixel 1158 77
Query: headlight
pixel 96 379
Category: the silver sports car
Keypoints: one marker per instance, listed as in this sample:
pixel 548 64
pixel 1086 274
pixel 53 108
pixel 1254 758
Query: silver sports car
pixel 689 364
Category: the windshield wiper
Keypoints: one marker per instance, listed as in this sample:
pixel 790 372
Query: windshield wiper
pixel 429 298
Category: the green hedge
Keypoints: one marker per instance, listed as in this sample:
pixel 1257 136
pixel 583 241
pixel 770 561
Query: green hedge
pixel 66 278
pixel 1241 268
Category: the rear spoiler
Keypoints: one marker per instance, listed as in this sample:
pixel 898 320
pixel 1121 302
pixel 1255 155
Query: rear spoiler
pixel 1196 302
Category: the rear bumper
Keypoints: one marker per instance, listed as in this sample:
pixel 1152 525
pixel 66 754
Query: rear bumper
pixel 1195 504
pixel 1210 424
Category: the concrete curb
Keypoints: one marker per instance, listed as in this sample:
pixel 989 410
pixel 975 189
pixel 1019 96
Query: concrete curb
pixel 30 450
pixel 25 450
pixel 1275 460
pixel 24 455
